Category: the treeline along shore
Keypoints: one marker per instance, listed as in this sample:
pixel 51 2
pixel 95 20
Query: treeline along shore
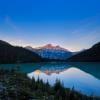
pixel 17 86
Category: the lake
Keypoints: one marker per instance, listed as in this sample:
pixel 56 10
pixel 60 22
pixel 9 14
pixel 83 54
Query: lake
pixel 84 77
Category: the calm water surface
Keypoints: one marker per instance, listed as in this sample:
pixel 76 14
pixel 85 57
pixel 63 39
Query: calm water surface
pixel 84 77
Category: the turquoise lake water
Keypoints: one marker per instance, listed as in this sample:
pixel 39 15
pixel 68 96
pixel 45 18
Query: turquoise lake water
pixel 84 77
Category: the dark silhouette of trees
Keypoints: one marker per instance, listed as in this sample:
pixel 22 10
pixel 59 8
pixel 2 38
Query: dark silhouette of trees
pixel 17 86
pixel 90 55
pixel 12 54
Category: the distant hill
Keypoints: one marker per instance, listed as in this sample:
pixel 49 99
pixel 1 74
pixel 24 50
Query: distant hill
pixel 89 55
pixel 51 52
pixel 12 54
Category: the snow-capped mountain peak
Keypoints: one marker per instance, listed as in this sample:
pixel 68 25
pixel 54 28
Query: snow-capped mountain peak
pixel 52 47
pixel 50 51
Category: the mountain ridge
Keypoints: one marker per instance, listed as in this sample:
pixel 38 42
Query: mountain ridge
pixel 14 54
pixel 48 46
pixel 51 52
pixel 90 55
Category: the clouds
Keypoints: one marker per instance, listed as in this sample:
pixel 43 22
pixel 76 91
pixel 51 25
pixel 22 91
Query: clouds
pixel 8 21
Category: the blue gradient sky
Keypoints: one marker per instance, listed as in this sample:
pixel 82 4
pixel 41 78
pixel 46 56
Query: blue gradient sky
pixel 73 24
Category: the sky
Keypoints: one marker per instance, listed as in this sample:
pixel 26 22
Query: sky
pixel 73 24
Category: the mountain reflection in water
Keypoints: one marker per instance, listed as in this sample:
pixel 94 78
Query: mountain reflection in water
pixel 84 76
pixel 71 77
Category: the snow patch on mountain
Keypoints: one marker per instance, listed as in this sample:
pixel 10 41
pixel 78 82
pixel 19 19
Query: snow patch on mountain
pixel 51 52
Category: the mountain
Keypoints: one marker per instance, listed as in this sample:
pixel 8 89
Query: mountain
pixel 51 47
pixel 92 55
pixel 14 54
pixel 51 52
